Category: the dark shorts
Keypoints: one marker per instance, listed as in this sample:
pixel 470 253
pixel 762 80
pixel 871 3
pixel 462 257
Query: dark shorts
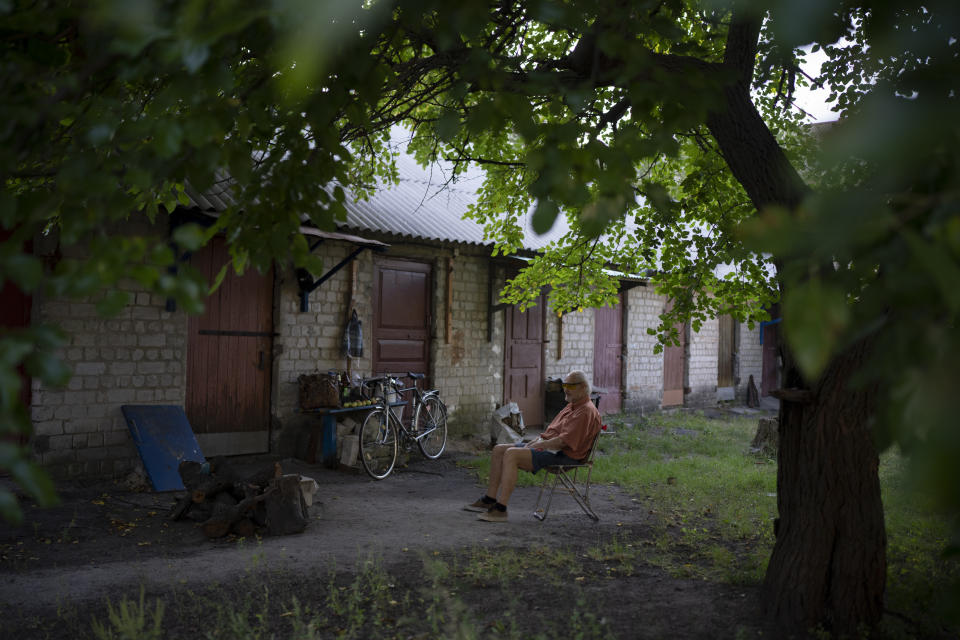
pixel 543 459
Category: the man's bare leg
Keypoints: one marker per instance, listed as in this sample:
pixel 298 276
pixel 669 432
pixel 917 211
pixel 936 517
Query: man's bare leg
pixel 496 466
pixel 513 459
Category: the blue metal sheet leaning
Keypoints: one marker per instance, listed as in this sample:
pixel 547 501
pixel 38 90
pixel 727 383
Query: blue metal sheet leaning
pixel 164 438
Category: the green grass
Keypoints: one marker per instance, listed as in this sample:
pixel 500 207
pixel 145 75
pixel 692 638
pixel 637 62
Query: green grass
pixel 714 502
pixel 711 503
pixel 919 574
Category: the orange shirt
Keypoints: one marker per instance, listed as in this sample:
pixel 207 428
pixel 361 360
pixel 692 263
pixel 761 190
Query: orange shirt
pixel 578 424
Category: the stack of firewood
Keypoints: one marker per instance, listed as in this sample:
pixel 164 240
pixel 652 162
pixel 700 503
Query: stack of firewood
pixel 224 501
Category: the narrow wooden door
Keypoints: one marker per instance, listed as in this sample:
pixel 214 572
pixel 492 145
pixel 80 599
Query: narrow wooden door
pixel 229 359
pixel 608 357
pixel 15 314
pixel 401 317
pixel 523 362
pixel 726 358
pixel 674 363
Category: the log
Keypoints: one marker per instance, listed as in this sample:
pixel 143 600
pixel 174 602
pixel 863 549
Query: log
pixel 192 473
pixel 181 507
pixel 225 515
pixel 767 438
pixel 286 508
pixel 210 488
pixel 243 528
pixel 199 513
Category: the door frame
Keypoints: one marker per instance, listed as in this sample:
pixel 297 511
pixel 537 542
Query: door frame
pixel 220 442
pixel 676 397
pixel 619 311
pixel 728 367
pixel 507 318
pixel 421 266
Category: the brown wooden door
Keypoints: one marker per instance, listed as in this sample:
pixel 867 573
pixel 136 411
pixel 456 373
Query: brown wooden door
pixel 14 314
pixel 523 362
pixel 674 362
pixel 726 356
pixel 401 317
pixel 229 359
pixel 608 357
pixel 771 346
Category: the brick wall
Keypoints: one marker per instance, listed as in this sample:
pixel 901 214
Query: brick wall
pixel 310 341
pixel 467 370
pixel 750 359
pixel 577 344
pixel 136 357
pixel 644 377
pixel 702 364
pixel 140 355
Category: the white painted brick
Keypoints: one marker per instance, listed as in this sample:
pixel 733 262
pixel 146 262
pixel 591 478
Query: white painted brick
pixel 89 368
pixel 60 443
pixel 120 396
pixel 151 341
pixel 47 427
pixel 151 367
pixel 122 368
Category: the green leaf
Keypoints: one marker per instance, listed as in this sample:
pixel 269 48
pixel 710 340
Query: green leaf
pixel 13 349
pixel 219 279
pixel 8 209
pixel 940 266
pixel 113 303
pixel 35 481
pixel 48 367
pixel 815 316
pixel 194 54
pixel 10 507
pixel 448 125
pixel 544 215
pixel 189 237
pixel 100 134
pixel 26 271
pixel 10 454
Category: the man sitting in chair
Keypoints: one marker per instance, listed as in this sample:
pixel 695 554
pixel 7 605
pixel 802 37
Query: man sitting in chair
pixel 566 441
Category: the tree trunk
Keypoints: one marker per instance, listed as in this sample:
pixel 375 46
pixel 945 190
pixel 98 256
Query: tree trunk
pixel 829 561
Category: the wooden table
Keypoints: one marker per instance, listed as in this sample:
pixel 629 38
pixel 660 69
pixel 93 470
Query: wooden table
pixel 328 429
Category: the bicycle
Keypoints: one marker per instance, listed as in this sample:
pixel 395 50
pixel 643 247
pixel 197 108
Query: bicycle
pixel 382 431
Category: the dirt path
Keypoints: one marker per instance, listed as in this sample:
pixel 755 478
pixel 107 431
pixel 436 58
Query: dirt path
pixel 106 541
pixel 104 537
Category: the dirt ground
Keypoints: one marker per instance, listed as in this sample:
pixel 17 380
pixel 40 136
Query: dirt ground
pixel 105 540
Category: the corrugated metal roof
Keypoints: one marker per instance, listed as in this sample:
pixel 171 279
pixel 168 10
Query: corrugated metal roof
pixel 425 205
pixel 422 206
pixel 216 198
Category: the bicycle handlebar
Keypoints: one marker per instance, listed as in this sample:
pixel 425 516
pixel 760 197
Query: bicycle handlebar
pixel 393 378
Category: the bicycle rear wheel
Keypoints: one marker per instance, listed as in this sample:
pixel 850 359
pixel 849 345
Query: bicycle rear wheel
pixel 378 444
pixel 431 420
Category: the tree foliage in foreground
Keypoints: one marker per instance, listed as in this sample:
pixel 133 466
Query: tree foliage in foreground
pixel 661 131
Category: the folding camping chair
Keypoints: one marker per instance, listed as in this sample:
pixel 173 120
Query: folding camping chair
pixel 572 478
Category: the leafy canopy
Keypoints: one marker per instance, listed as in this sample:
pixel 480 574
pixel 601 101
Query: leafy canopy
pixel 608 116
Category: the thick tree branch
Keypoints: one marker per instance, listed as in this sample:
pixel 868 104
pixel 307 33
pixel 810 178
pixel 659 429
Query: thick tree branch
pixel 749 148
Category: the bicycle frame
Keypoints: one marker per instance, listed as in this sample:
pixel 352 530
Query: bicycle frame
pixel 419 397
pixel 382 431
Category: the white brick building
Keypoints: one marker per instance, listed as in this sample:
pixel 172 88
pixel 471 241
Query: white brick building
pixel 143 355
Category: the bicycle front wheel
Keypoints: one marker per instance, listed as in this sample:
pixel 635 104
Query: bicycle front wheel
pixel 378 444
pixel 431 420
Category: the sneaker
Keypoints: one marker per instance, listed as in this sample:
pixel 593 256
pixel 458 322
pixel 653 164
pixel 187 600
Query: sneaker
pixel 493 515
pixel 480 505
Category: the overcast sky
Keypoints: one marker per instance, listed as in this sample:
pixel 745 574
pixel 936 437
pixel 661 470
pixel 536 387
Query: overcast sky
pixel 813 101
